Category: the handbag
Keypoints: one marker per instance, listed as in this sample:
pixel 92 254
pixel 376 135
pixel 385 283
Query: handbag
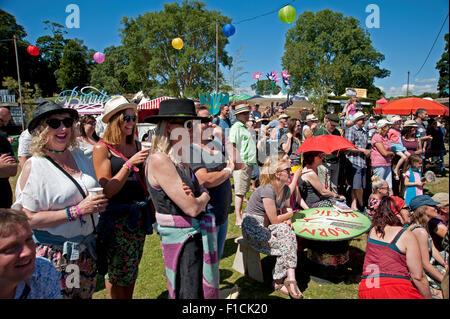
pixel 80 189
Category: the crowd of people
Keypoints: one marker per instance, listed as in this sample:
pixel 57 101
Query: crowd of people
pixel 85 200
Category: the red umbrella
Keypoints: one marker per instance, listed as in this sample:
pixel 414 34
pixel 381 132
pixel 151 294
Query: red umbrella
pixel 382 101
pixel 325 143
pixel 409 106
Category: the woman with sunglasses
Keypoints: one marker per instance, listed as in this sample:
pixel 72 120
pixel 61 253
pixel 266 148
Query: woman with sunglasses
pixel 380 189
pixel 392 264
pixel 87 137
pixel 311 188
pixel 119 165
pixel 51 190
pixel 188 232
pixel 267 225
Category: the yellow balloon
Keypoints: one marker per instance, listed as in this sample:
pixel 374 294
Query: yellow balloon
pixel 177 43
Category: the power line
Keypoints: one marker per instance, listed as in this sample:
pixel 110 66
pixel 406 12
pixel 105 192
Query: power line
pixel 432 46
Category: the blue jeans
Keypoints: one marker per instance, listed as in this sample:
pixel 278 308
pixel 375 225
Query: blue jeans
pixel 221 236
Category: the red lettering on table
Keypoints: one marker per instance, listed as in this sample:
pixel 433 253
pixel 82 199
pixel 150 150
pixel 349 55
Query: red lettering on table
pixel 323 232
pixel 333 232
pixel 342 230
pixel 312 233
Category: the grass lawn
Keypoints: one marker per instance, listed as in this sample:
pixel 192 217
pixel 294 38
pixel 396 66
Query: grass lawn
pixel 151 283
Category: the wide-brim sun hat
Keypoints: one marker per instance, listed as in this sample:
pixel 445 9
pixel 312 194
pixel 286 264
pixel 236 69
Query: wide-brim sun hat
pixel 359 116
pixel 442 198
pixel 176 109
pixel 114 105
pixel 395 119
pixel 47 108
pixel 311 117
pixel 383 123
pixel 410 123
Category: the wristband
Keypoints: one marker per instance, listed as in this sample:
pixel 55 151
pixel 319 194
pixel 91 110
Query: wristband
pixel 128 166
pixel 69 217
pixel 228 169
pixel 73 213
pixel 79 213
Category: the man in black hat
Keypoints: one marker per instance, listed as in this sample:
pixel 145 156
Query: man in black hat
pixel 329 170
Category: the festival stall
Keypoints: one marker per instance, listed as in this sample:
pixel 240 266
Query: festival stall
pixel 149 107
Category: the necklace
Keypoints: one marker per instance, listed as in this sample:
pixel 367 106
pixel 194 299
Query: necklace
pixel 56 152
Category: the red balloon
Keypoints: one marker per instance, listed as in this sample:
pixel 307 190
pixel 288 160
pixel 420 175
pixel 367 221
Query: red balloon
pixel 33 50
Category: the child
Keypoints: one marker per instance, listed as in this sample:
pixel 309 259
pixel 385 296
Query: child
pixel 395 136
pixel 350 110
pixel 413 178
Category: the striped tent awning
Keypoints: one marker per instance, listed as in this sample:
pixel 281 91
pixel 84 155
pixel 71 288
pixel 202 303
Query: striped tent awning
pixel 152 104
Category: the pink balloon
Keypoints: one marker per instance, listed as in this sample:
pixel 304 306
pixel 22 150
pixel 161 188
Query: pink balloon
pixel 99 57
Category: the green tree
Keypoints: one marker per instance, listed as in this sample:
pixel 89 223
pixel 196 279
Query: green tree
pixel 74 68
pixel 161 69
pixel 265 87
pixel 112 74
pixel 329 52
pixel 443 67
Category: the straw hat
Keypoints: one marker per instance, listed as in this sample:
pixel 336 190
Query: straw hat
pixel 241 108
pixel 410 123
pixel 311 117
pixel 358 116
pixel 114 105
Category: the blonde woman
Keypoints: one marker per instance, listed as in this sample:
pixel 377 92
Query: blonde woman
pixel 267 223
pixel 118 163
pixel 188 233
pixel 423 207
pixel 380 189
pixel 52 189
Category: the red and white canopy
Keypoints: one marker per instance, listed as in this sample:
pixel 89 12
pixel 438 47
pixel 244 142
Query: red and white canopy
pixel 152 104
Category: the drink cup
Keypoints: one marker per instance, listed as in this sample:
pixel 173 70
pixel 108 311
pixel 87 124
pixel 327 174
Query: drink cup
pixel 95 191
pixel 146 145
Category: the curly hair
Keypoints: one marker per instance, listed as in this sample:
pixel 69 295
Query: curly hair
pixel 39 138
pixel 384 216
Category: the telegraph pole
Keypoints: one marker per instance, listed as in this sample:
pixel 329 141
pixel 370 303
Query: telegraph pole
pixel 217 56
pixel 18 79
pixel 407 86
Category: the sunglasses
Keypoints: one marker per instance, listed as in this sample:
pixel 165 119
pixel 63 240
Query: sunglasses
pixel 56 123
pixel 129 118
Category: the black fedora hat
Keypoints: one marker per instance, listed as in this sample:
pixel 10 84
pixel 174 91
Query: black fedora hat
pixel 46 108
pixel 176 109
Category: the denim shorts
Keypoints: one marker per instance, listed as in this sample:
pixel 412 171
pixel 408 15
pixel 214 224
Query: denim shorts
pixel 359 177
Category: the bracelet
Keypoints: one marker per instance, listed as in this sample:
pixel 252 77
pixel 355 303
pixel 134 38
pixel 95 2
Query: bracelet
pixel 73 213
pixel 127 166
pixel 79 213
pixel 69 217
pixel 228 169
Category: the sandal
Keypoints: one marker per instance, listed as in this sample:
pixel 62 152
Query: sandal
pixel 298 294
pixel 277 287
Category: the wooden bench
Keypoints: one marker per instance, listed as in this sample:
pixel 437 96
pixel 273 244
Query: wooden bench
pixel 247 260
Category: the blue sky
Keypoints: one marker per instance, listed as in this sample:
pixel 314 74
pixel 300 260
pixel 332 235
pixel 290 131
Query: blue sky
pixel 406 33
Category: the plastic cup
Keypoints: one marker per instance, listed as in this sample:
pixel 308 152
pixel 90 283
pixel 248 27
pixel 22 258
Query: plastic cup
pixel 95 191
pixel 146 145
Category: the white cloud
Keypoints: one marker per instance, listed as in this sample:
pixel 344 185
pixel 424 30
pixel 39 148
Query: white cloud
pixel 431 80
pixel 413 89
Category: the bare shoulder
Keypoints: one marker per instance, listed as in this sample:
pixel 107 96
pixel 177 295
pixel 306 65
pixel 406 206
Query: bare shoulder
pixel 158 158
pixel 26 170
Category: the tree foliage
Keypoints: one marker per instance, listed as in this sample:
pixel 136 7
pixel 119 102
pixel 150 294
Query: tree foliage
pixel 164 70
pixel 265 87
pixel 74 68
pixel 329 52
pixel 443 67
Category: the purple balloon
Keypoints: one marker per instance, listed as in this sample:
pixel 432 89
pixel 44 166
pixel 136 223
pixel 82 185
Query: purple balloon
pixel 99 57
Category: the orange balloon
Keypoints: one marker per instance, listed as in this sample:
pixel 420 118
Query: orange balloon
pixel 177 43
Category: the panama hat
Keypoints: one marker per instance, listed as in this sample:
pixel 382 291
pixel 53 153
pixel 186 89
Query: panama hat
pixel 442 198
pixel 382 123
pixel 46 108
pixel 176 109
pixel 359 116
pixel 241 108
pixel 311 117
pixel 410 123
pixel 116 104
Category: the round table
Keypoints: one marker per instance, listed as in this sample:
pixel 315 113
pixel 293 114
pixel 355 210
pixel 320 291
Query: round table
pixel 328 232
